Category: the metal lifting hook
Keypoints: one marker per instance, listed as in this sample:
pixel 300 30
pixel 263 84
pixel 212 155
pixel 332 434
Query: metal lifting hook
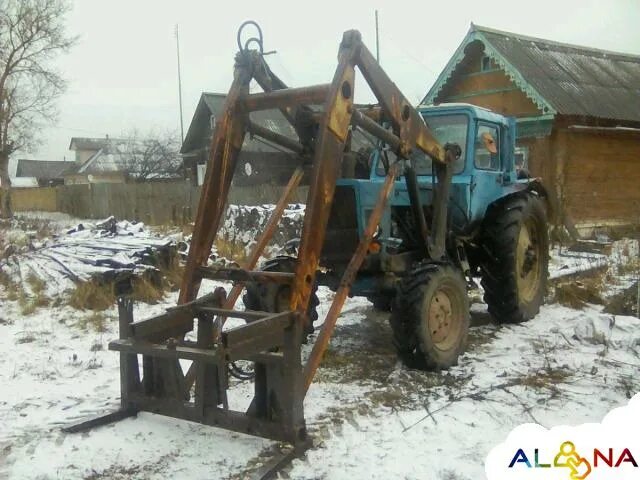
pixel 258 39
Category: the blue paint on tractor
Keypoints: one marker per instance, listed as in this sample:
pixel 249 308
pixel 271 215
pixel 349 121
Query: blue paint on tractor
pixel 473 188
pixel 480 177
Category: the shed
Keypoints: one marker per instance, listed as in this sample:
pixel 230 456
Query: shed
pixel 577 111
pixel 47 173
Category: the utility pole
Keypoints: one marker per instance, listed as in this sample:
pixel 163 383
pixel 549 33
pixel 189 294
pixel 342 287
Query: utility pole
pixel 179 85
pixel 377 40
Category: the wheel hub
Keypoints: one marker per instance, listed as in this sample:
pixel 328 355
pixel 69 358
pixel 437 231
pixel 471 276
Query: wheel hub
pixel 440 317
pixel 527 264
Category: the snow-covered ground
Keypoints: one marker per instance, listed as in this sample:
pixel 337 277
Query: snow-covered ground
pixel 370 417
pixel 82 252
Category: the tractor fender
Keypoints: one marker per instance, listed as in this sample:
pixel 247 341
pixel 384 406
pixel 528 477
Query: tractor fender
pixel 535 186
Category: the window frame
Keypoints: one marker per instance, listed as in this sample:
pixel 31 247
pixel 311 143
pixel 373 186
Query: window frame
pixel 524 150
pixel 377 169
pixel 498 141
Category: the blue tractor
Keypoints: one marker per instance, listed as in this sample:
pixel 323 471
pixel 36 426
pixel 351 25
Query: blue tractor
pixel 496 227
pixel 427 251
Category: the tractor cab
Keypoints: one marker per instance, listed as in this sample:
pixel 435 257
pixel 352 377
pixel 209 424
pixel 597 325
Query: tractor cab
pixel 483 173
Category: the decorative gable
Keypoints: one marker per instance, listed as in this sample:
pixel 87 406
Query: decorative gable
pixel 478 74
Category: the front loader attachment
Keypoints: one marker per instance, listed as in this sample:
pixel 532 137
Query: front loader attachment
pixel 322 116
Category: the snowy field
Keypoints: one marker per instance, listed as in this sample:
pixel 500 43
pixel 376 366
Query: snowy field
pixel 369 416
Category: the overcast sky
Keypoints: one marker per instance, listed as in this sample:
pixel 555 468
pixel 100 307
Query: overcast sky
pixel 122 73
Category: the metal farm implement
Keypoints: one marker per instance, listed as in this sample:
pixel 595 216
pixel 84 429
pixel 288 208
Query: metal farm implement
pixel 324 118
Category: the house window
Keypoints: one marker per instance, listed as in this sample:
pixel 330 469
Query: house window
pixel 521 162
pixel 522 158
pixel 485 63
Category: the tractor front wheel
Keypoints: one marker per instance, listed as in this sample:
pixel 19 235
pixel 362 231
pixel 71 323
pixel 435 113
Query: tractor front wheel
pixel 515 259
pixel 430 317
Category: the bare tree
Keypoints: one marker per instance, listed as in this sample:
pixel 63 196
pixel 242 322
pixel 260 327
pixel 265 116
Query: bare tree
pixel 32 35
pixel 151 155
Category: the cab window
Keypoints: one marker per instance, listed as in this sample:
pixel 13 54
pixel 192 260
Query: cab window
pixel 487 147
pixel 445 128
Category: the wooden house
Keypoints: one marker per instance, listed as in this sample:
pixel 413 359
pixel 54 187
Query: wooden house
pixel 578 117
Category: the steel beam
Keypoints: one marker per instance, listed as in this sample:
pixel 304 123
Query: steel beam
pixel 99 420
pixel 405 119
pixel 326 170
pixel 286 97
pixel 368 125
pixel 225 146
pixel 270 135
pixel 241 275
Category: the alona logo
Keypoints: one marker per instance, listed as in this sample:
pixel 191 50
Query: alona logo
pixel 593 451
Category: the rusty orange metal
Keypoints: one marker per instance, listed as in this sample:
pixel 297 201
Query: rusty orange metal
pixel 225 146
pixel 322 342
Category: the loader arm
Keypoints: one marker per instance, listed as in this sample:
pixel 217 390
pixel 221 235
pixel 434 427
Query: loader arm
pixel 322 135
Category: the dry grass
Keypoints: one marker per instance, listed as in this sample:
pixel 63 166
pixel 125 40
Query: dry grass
pixel 92 295
pixel 231 250
pixel 95 321
pixel 12 289
pixel 577 293
pixel 547 378
pixel 36 283
pixel 146 290
pixel 593 287
pixel 5 280
pixel 625 302
pixel 99 296
pixel 13 294
pixel 29 302
pixel 172 273
pixel 27 306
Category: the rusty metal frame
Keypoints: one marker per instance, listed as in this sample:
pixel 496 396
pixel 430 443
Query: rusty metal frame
pixel 271 340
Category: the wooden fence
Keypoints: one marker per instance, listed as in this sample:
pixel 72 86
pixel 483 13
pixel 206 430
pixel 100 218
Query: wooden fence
pixel 154 203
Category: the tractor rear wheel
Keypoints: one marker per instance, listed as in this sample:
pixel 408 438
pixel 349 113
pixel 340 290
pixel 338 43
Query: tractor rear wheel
pixel 516 256
pixel 275 297
pixel 430 317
